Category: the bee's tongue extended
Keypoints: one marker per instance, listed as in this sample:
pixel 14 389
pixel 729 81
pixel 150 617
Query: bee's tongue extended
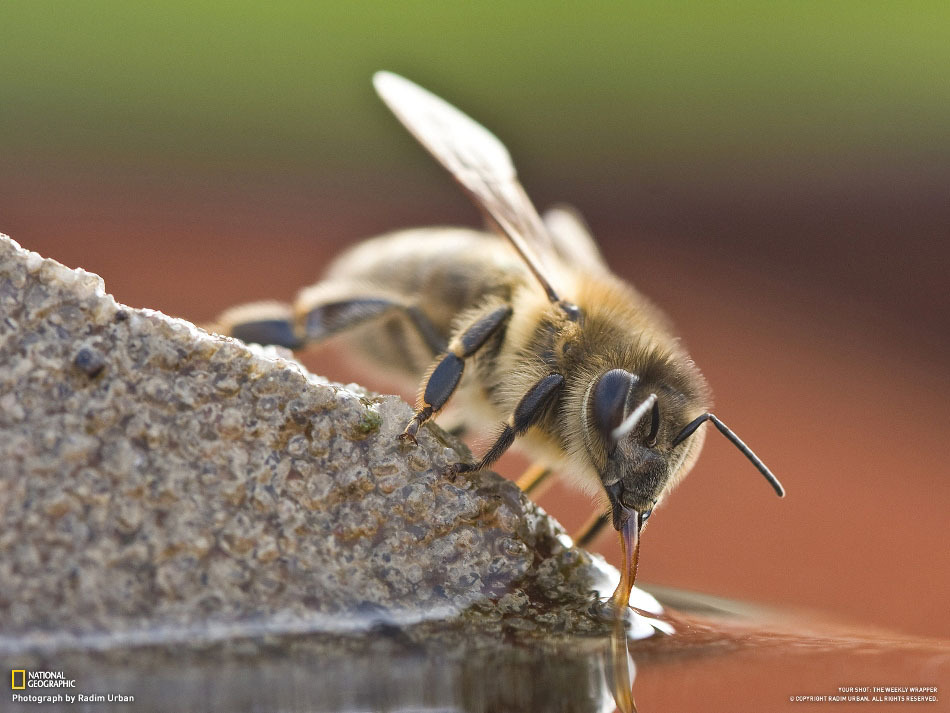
pixel 631 522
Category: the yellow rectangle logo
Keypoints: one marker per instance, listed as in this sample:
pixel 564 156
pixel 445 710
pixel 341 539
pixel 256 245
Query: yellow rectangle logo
pixel 13 678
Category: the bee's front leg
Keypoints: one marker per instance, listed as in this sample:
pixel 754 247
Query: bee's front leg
pixel 526 414
pixel 440 383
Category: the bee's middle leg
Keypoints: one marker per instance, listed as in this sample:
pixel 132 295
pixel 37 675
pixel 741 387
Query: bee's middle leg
pixel 441 381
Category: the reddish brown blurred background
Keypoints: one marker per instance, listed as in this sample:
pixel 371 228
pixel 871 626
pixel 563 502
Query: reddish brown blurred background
pixel 778 184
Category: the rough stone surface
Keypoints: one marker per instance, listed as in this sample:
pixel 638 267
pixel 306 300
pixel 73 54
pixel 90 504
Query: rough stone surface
pixel 161 483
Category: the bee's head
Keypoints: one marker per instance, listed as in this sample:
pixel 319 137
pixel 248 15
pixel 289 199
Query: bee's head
pixel 626 417
pixel 645 441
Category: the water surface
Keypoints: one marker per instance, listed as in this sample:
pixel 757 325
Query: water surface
pixel 697 653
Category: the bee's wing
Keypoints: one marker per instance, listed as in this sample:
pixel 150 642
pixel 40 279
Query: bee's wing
pixel 572 240
pixel 478 161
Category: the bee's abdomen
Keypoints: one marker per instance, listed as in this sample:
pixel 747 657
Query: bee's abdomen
pixel 453 266
pixel 436 273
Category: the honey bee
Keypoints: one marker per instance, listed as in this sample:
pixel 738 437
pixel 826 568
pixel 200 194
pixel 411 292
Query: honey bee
pixel 526 326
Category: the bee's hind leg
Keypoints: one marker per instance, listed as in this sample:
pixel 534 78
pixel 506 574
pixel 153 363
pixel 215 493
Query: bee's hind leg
pixel 321 312
pixel 260 323
pixel 332 317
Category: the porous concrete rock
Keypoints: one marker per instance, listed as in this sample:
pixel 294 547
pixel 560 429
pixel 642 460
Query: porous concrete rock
pixel 158 483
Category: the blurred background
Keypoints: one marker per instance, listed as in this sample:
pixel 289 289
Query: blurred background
pixel 775 175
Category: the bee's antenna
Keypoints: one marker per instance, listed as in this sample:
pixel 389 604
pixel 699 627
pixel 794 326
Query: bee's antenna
pixel 654 424
pixel 630 422
pixel 691 427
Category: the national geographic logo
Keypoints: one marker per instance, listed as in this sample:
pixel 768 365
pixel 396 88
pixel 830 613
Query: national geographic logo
pixel 51 684
pixel 21 679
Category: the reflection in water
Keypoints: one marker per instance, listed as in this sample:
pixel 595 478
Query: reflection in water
pixel 387 671
pixel 621 670
pixel 702 653
pixel 583 676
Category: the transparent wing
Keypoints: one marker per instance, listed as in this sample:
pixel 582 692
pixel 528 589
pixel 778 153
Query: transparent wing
pixel 478 161
pixel 572 239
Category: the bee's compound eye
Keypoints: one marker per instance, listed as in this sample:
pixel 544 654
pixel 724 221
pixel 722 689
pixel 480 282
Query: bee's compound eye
pixel 609 401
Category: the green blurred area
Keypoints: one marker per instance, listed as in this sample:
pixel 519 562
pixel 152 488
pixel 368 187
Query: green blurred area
pixel 288 83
